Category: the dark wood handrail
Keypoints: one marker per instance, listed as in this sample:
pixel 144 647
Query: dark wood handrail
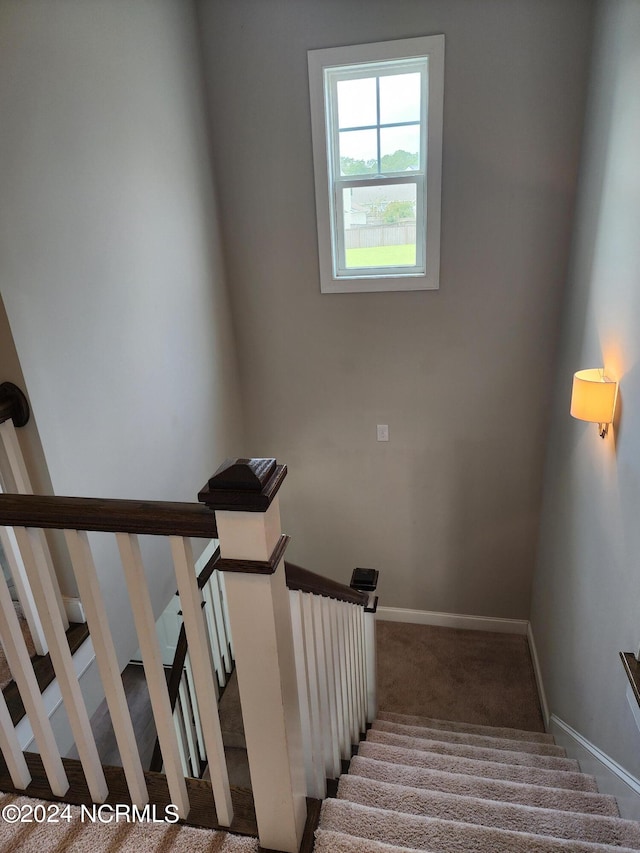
pixel 157 518
pixel 306 581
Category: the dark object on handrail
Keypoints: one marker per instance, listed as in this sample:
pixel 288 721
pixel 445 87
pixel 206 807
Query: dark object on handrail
pixel 306 581
pixel 632 668
pixel 158 518
pixel 13 405
pixel 248 485
pixel 364 579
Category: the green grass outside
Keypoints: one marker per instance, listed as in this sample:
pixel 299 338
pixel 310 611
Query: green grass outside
pixel 382 256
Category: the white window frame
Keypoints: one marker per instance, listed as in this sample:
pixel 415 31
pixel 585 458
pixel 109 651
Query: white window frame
pixel 323 65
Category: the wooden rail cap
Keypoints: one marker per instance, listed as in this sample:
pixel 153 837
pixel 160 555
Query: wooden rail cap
pixel 246 485
pixel 159 518
pixel 13 405
pixel 306 581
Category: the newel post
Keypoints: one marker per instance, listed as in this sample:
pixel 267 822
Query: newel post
pixel 243 493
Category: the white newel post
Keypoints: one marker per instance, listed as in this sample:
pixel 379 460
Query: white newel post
pixel 243 495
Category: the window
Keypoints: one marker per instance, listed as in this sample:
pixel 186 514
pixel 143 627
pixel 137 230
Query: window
pixel 376 115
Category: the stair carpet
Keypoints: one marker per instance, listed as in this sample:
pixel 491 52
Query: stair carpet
pixel 74 833
pixel 419 784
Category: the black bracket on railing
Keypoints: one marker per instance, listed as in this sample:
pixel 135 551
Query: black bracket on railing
pixel 366 580
pixel 13 405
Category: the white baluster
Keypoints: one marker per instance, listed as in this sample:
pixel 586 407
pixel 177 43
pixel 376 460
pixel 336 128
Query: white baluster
pixel 21 668
pixel 340 681
pixel 348 649
pixel 91 596
pixel 331 757
pixel 202 751
pixel 181 735
pixel 325 604
pixel 200 654
pixel 362 672
pixel 220 621
pixel 154 671
pixel 30 544
pixel 23 589
pixel 313 790
pixel 313 679
pixel 212 637
pixel 10 749
pixel 186 705
pixel 225 611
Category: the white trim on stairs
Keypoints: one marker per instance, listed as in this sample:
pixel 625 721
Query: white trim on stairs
pixel 537 671
pixel 611 777
pixel 453 620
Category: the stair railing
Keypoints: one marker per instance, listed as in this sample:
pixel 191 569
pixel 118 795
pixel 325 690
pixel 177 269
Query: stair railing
pixel 334 643
pixel 244 497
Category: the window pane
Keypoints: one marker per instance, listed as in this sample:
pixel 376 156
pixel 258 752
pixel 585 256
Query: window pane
pixel 380 226
pixel 358 152
pixel 400 148
pixel 399 98
pixel 357 102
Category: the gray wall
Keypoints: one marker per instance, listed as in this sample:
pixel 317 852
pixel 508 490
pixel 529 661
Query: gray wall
pixel 110 265
pixel 449 508
pixel 585 602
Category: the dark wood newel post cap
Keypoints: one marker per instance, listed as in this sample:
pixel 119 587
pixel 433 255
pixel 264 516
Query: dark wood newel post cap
pixel 246 485
pixel 13 404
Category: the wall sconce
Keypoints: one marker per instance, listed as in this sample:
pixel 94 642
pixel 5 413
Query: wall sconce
pixel 593 398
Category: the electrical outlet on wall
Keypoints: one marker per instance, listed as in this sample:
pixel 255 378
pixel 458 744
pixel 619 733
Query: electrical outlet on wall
pixel 383 432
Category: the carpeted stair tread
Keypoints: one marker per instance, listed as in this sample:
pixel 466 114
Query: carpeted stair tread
pixel 489 789
pixel 503 756
pixel 78 836
pixel 508 816
pixel 469 766
pixel 469 728
pixel 469 739
pixel 442 836
pixel 338 842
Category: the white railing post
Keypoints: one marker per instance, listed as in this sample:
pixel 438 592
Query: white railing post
pixel 243 495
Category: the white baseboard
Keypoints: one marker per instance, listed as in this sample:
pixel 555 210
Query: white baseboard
pixel 453 620
pixel 611 777
pixel 544 705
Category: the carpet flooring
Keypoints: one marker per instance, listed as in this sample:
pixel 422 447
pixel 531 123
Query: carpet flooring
pixel 514 796
pixel 469 676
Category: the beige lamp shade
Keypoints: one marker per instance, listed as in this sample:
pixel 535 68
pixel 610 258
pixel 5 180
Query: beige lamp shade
pixel 593 397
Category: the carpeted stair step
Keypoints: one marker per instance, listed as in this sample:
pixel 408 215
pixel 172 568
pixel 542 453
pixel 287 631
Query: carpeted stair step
pixel 443 836
pixel 337 842
pixel 488 789
pixel 489 769
pixel 76 836
pixel 469 739
pixel 508 816
pixel 469 728
pixel 503 756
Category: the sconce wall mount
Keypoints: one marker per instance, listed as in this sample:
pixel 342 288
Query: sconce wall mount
pixel 593 398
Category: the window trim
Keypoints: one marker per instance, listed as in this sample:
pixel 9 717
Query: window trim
pixel 319 60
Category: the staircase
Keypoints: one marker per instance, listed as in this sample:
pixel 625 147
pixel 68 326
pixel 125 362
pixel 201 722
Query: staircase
pixel 424 784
